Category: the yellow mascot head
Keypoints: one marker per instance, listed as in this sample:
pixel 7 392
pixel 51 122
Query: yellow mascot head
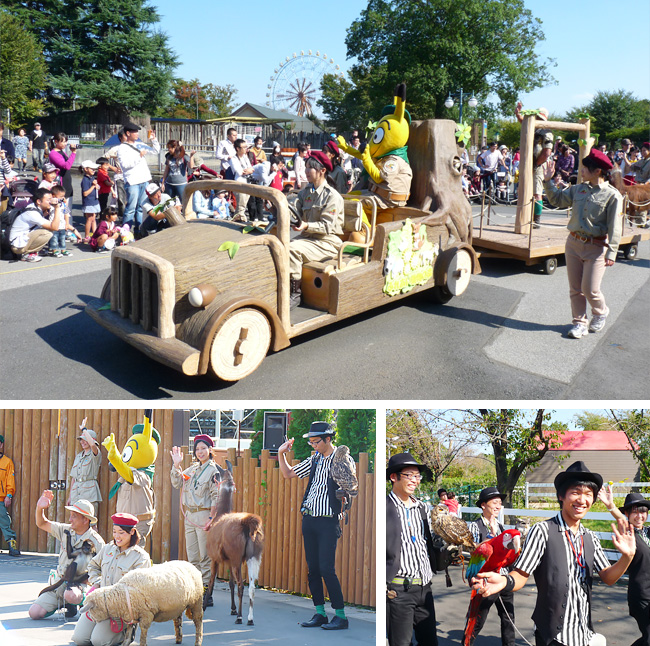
pixel 392 131
pixel 141 449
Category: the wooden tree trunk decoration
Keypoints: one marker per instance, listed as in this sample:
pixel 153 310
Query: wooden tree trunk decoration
pixel 436 186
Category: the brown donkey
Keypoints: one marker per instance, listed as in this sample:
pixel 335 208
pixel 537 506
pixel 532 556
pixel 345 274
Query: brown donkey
pixel 235 538
pixel 638 194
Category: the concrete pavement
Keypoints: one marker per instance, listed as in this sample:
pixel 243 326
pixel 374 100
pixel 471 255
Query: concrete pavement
pixel 277 616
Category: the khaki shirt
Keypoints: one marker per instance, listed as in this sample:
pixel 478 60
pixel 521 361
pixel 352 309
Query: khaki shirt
pixel 396 175
pixel 322 209
pixel 110 565
pixel 57 530
pixel 137 498
pixel 200 490
pixel 595 211
pixel 84 471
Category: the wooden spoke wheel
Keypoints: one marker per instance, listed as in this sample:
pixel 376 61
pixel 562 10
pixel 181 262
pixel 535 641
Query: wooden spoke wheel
pixel 452 271
pixel 240 344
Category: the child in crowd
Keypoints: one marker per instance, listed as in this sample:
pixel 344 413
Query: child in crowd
pixel 89 197
pixel 502 189
pixel 106 231
pixel 221 206
pixel 464 182
pixel 104 181
pixel 50 177
pixel 475 186
pixel 202 204
pixel 278 178
pixel 58 239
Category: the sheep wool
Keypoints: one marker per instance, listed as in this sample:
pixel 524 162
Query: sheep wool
pixel 159 593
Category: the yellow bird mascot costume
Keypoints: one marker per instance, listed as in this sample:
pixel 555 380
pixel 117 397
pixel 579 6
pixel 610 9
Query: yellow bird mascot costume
pixel 385 157
pixel 135 467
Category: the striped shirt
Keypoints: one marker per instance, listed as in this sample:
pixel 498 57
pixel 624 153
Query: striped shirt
pixel 575 630
pixel 414 558
pixel 317 500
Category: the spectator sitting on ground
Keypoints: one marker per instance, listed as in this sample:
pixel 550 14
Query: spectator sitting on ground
pixel 221 206
pixel 105 232
pixel 38 146
pixel 31 230
pixel 21 144
pixel 155 221
pixel 50 178
pixel 58 240
pixel 205 205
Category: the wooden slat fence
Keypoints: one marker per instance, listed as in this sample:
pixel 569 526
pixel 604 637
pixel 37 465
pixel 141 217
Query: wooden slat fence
pixel 43 443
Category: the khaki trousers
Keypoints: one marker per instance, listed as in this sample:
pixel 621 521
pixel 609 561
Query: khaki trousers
pixel 585 264
pixel 196 543
pixel 89 633
pixel 303 249
pixel 242 202
pixel 37 240
pixel 144 528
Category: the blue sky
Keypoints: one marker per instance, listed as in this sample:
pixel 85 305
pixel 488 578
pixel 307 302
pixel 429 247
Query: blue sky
pixel 598 44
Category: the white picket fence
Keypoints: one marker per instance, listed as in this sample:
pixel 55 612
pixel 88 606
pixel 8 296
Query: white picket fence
pixel 619 488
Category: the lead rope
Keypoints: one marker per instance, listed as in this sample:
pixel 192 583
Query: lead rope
pixel 512 622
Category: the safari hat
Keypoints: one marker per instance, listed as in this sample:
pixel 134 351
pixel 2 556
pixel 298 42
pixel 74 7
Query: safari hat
pixel 90 432
pixel 634 500
pixel 575 473
pixel 84 508
pixel 400 461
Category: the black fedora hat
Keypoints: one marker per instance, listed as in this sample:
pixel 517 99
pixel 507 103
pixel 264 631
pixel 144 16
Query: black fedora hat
pixel 319 428
pixel 577 472
pixel 634 500
pixel 487 494
pixel 400 461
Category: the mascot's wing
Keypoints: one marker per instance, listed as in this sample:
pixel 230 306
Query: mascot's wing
pixel 480 556
pixel 116 459
pixel 346 148
pixel 370 166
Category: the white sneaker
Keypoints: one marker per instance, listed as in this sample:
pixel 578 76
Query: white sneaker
pixel 577 331
pixel 31 257
pixel 597 322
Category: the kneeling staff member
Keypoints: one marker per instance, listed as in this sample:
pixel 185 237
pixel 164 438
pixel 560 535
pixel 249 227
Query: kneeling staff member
pixel 410 560
pixel 321 512
pixel 563 555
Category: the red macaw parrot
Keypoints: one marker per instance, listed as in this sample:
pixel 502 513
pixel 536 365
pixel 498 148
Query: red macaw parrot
pixel 490 556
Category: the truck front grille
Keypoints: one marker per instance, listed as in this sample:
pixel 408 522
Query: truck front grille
pixel 138 294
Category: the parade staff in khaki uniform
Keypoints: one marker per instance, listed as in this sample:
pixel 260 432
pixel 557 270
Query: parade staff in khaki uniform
pixel 7 491
pixel 563 555
pixel 85 468
pixel 200 494
pixel 320 208
pixel 321 511
pixel 79 528
pixel 107 567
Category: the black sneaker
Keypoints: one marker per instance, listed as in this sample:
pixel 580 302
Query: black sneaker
pixel 337 623
pixel 70 611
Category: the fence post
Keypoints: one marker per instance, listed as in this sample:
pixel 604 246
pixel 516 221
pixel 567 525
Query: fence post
pixel 526 504
pixel 469 495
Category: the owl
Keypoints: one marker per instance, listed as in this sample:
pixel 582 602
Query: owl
pixel 451 529
pixel 344 473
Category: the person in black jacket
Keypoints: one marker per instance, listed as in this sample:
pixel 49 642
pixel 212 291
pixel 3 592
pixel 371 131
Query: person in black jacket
pixel 321 513
pixel 638 589
pixel 410 559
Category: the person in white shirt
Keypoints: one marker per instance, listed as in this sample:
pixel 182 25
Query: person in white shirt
pixel 241 168
pixel 299 166
pixel 226 151
pixel 136 173
pixel 155 221
pixel 490 164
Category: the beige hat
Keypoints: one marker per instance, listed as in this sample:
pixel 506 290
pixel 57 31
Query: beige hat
pixel 84 508
pixel 90 432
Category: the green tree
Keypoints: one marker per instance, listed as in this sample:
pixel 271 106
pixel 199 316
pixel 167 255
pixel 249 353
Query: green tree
pixel 484 46
pixel 589 420
pixel 347 103
pixel 356 428
pixel 22 72
pixel 101 52
pixel 212 101
pixel 636 426
pixel 613 110
pixel 300 422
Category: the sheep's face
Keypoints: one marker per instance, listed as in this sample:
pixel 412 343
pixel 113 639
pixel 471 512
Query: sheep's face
pixel 93 607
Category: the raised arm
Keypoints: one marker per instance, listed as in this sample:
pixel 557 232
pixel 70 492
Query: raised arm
pixel 287 471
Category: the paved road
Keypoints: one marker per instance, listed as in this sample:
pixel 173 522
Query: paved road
pixel 277 616
pixel 502 339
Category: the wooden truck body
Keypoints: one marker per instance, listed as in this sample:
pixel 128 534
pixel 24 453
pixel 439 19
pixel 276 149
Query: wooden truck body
pixel 179 300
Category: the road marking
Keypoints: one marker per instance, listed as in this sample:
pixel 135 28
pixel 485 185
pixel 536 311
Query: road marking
pixel 58 264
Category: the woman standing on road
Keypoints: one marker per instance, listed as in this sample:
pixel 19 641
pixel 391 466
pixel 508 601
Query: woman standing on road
pixel 21 143
pixel 63 162
pixel 594 234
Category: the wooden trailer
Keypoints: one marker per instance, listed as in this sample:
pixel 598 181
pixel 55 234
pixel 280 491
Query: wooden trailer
pixel 181 301
pixel 545 245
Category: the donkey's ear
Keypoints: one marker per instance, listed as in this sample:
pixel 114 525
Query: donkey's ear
pixel 229 465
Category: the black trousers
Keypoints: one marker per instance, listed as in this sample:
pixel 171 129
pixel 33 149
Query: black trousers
pixel 507 624
pixel 642 616
pixel 412 610
pixel 320 537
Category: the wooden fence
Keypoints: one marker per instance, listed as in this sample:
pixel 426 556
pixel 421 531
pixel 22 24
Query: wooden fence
pixel 42 445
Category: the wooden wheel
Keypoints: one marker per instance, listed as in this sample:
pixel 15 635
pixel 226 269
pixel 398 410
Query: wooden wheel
pixel 453 270
pixel 240 344
pixel 106 290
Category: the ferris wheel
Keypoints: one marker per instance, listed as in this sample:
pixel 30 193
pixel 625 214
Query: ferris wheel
pixel 295 83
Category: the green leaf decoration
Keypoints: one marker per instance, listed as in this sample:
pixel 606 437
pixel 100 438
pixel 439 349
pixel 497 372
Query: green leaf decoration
pixel 230 247
pixel 163 206
pixel 105 307
pixel 583 115
pixel 529 112
pixel 463 133
pixel 595 135
pixel 582 142
pixel 370 128
pixel 249 228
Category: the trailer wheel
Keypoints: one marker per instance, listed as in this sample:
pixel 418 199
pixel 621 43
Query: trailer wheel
pixel 631 251
pixel 106 290
pixel 550 265
pixel 452 272
pixel 441 294
pixel 240 344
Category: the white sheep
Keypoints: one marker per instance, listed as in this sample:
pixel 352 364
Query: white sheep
pixel 159 593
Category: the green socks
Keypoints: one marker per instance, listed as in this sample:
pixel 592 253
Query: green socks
pixel 321 610
pixel 340 613
pixel 538 208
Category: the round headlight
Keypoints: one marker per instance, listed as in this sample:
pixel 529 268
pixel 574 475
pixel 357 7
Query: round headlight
pixel 201 295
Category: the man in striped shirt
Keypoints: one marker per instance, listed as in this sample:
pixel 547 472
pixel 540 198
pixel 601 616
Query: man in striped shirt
pixel 562 555
pixel 410 561
pixel 321 530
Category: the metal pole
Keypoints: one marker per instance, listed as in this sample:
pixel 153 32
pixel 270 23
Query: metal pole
pixel 197 101
pixel 460 108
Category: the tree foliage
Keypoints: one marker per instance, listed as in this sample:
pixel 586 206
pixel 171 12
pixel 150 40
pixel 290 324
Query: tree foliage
pixel 356 428
pixel 300 422
pixel 105 52
pixel 439 46
pixel 590 420
pixel 213 100
pixel 636 426
pixel 22 72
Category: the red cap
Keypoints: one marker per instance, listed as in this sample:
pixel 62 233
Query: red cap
pixel 322 158
pixel 646 144
pixel 124 520
pixel 206 439
pixel 332 145
pixel 599 159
